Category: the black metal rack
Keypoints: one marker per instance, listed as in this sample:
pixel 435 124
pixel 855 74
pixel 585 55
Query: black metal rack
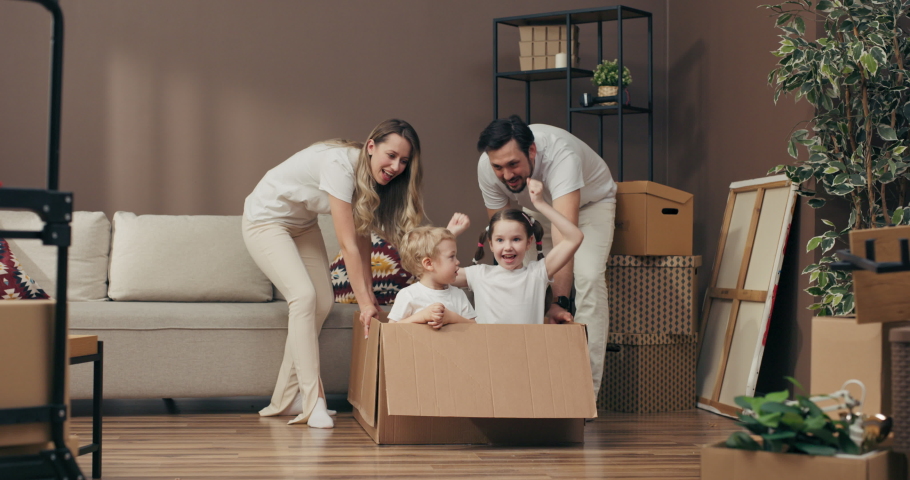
pixel 617 13
pixel 56 210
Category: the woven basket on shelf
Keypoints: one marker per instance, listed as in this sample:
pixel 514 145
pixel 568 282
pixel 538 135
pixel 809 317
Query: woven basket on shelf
pixel 900 387
pixel 605 91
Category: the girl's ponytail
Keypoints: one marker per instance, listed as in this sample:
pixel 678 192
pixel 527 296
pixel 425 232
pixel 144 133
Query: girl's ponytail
pixel 478 255
pixel 538 237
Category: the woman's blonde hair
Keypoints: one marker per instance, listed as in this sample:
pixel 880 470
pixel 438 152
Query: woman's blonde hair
pixel 392 209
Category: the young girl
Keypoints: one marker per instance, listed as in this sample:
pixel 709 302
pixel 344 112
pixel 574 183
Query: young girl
pixel 368 187
pixel 512 292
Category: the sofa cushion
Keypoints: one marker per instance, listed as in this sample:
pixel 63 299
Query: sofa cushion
pixel 193 316
pixel 15 284
pixel 183 258
pixel 88 253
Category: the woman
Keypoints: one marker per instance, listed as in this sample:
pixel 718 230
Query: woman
pixel 370 187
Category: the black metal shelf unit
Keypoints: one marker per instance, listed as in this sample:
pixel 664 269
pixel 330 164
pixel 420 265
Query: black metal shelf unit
pixel 617 13
pixel 56 210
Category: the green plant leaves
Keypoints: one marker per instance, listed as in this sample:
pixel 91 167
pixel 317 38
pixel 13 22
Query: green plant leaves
pixel 887 133
pixel 797 426
pixel 814 243
pixel 852 57
pixel 869 62
pixel 742 441
pixel 898 217
pixel 812 449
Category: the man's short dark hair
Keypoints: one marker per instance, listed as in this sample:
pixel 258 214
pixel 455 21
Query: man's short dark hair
pixel 502 131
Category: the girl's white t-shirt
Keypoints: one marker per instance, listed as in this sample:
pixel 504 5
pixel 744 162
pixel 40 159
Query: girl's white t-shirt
pixel 298 189
pixel 509 296
pixel 416 297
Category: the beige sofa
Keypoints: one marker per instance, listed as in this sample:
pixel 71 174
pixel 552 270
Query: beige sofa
pixel 182 309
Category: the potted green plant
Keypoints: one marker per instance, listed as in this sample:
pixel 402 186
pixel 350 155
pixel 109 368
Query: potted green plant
pixel 798 426
pixel 852 70
pixel 606 79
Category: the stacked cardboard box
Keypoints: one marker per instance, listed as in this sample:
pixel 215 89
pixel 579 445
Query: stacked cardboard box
pixel 653 315
pixel 539 45
pixel 900 394
pixel 652 278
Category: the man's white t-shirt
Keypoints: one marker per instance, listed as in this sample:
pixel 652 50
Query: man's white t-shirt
pixel 417 296
pixel 563 163
pixel 298 189
pixel 509 296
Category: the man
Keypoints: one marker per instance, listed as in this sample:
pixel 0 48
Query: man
pixel 578 184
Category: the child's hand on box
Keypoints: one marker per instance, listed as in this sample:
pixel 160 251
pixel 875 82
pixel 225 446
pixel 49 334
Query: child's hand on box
pixel 437 323
pixel 432 314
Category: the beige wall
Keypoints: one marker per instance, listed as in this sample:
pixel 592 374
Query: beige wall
pixel 180 106
pixel 725 127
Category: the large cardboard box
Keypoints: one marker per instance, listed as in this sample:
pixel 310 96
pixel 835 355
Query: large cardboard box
pixel 650 373
pixel 26 366
pixel 652 219
pixel 843 349
pixel 653 294
pixel 472 384
pixel 721 463
pixel 881 297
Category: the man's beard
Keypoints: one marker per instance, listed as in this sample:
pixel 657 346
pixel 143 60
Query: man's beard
pixel 521 187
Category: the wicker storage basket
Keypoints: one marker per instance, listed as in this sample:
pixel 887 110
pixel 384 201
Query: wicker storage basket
pixel 900 387
pixel 605 91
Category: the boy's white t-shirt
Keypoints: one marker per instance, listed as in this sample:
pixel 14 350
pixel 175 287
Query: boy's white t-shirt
pixel 417 296
pixel 563 164
pixel 509 296
pixel 298 189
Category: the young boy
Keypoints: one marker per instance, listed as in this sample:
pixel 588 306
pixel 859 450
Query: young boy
pixel 429 253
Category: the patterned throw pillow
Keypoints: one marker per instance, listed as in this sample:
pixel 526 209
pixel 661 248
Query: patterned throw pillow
pixel 14 283
pixel 388 275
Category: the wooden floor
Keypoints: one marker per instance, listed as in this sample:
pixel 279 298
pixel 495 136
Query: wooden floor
pixel 244 445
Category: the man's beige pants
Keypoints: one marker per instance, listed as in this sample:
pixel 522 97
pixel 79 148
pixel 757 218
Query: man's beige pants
pixel 294 259
pixel 596 221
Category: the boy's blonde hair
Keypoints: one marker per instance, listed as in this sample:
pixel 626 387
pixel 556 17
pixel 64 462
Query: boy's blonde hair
pixel 420 243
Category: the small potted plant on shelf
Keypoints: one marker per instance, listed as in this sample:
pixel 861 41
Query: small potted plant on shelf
pixel 606 79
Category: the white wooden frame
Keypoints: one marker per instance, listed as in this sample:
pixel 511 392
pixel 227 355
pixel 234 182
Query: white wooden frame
pixel 740 295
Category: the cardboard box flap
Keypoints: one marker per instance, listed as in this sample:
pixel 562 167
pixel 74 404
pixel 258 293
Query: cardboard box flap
pixel 364 379
pixel 499 371
pixel 655 189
